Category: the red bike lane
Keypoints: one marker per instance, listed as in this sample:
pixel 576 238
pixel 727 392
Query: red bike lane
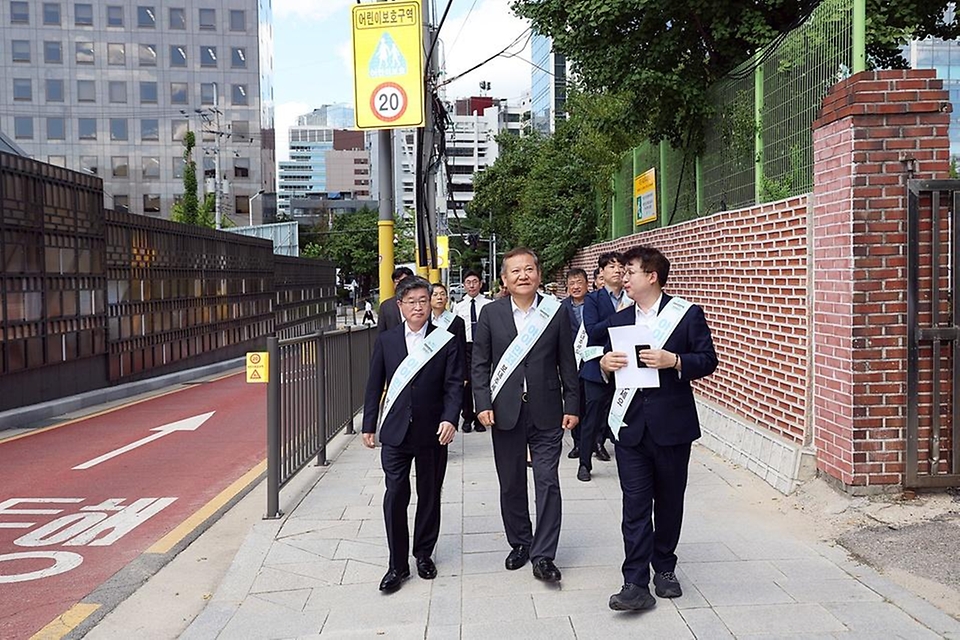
pixel 81 501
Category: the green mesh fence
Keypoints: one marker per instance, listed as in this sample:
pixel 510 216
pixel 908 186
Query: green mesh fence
pixel 787 82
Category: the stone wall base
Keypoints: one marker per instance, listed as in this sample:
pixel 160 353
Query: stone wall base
pixel 781 463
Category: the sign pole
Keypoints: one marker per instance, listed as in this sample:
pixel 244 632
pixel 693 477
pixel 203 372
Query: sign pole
pixel 385 221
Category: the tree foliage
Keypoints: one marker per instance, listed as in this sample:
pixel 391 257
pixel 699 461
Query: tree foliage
pixel 663 55
pixel 189 209
pixel 544 193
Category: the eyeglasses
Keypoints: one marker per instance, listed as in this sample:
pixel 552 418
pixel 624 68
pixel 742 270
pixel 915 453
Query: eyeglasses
pixel 420 302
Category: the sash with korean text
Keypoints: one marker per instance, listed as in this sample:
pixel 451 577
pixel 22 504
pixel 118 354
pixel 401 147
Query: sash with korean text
pixel 411 365
pixel 444 321
pixel 667 321
pixel 521 345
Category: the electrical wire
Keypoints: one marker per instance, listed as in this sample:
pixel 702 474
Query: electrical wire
pixel 528 33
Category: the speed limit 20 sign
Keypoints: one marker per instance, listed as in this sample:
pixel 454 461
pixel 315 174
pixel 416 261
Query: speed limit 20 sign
pixel 388 64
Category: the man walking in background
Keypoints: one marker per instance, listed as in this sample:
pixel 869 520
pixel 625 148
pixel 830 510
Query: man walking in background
pixel 524 378
pixel 577 291
pixel 389 314
pixel 469 309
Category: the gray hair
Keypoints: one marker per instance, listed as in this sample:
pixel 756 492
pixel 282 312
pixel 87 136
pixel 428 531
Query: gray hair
pixel 410 283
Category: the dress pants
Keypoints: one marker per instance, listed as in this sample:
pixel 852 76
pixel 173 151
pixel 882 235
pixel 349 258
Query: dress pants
pixel 581 412
pixel 653 479
pixel 599 396
pixel 510 457
pixel 466 406
pixel 431 466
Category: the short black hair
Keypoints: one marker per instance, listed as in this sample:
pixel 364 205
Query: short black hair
pixel 407 285
pixel 608 257
pixel 472 272
pixel 400 273
pixel 437 285
pixel 651 259
pixel 577 272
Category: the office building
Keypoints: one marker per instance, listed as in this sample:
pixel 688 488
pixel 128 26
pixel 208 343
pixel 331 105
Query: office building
pixel 111 89
pixel 548 85
pixel 324 160
pixel 944 57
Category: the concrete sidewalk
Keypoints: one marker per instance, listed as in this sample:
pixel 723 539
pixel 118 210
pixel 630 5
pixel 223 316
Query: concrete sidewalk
pixel 746 569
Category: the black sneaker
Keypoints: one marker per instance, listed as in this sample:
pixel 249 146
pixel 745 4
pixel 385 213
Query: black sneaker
pixel 667 585
pixel 632 598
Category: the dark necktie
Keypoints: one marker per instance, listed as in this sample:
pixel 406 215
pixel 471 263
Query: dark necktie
pixel 473 317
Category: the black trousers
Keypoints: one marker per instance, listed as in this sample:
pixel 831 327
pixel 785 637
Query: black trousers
pixel 653 480
pixel 466 407
pixel 431 466
pixel 510 457
pixel 599 396
pixel 581 412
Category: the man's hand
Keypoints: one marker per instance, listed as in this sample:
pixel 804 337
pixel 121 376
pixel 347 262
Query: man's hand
pixel 486 417
pixel 613 360
pixel 446 431
pixel 569 421
pixel 368 440
pixel 658 358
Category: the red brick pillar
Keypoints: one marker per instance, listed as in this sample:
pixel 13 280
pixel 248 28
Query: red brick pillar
pixel 876 129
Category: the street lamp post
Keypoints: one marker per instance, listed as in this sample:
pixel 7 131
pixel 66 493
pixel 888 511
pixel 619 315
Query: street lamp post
pixel 250 206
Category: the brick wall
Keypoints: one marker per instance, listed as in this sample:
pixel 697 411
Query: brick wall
pixel 748 270
pixel 828 350
pixel 875 130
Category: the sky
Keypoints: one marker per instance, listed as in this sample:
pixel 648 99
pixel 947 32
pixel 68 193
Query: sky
pixel 313 56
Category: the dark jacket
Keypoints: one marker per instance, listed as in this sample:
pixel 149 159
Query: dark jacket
pixel 598 309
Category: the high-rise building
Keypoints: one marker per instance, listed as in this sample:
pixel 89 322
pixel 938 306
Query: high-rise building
pixel 548 85
pixel 944 57
pixel 111 89
pixel 324 159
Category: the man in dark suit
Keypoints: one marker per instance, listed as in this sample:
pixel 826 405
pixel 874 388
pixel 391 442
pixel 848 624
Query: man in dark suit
pixel 524 376
pixel 442 317
pixel 656 426
pixel 421 367
pixel 573 303
pixel 389 314
pixel 598 307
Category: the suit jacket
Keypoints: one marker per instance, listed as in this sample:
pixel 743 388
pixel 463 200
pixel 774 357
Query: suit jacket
pixel 389 315
pixel 459 331
pixel 433 395
pixel 670 412
pixel 550 369
pixel 574 323
pixel 598 309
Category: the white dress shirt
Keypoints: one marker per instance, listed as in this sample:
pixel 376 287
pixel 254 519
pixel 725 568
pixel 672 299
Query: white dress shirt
pixel 414 338
pixel 520 320
pixel 462 309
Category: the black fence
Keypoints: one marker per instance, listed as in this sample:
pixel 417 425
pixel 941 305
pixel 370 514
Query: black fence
pixel 91 297
pixel 315 390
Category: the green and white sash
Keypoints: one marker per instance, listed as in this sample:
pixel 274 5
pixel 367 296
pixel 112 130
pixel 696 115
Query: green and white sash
pixel 444 321
pixel 410 367
pixel 667 321
pixel 521 345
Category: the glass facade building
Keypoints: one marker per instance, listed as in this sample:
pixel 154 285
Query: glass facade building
pixel 548 85
pixel 944 57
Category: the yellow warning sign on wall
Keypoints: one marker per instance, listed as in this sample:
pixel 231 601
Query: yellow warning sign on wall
pixel 258 369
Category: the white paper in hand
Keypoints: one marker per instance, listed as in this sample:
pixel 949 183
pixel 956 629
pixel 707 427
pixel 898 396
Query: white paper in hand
pixel 630 340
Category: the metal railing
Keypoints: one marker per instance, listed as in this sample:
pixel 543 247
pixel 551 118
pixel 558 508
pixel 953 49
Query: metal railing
pixel 315 389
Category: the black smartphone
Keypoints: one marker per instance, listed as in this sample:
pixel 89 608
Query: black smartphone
pixel 641 347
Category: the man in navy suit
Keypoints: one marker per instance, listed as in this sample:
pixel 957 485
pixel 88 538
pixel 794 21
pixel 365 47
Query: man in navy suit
pixel 389 314
pixel 421 368
pixel 524 376
pixel 598 307
pixel 574 302
pixel 656 426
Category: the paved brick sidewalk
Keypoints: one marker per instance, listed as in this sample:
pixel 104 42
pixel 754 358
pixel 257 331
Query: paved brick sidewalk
pixel 745 572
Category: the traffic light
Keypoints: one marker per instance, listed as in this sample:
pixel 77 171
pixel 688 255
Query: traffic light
pixel 473 239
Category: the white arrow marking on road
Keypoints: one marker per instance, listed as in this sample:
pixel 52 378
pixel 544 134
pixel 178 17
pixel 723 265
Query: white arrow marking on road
pixel 187 424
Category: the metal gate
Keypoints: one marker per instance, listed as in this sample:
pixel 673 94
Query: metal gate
pixel 933 331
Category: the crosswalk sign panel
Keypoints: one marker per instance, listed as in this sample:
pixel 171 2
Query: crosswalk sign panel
pixel 388 64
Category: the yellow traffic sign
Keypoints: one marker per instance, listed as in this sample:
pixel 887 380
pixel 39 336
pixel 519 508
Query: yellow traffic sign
pixel 645 197
pixel 258 369
pixel 388 64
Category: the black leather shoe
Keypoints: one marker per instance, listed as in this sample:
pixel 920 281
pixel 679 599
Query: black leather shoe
pixel 574 453
pixel 467 427
pixel 667 585
pixel 602 454
pixel 393 579
pixel 479 428
pixel 583 474
pixel 426 569
pixel 544 569
pixel 632 598
pixel 517 558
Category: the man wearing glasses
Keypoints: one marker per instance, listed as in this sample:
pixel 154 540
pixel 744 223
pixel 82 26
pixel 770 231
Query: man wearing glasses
pixel 655 426
pixel 421 367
